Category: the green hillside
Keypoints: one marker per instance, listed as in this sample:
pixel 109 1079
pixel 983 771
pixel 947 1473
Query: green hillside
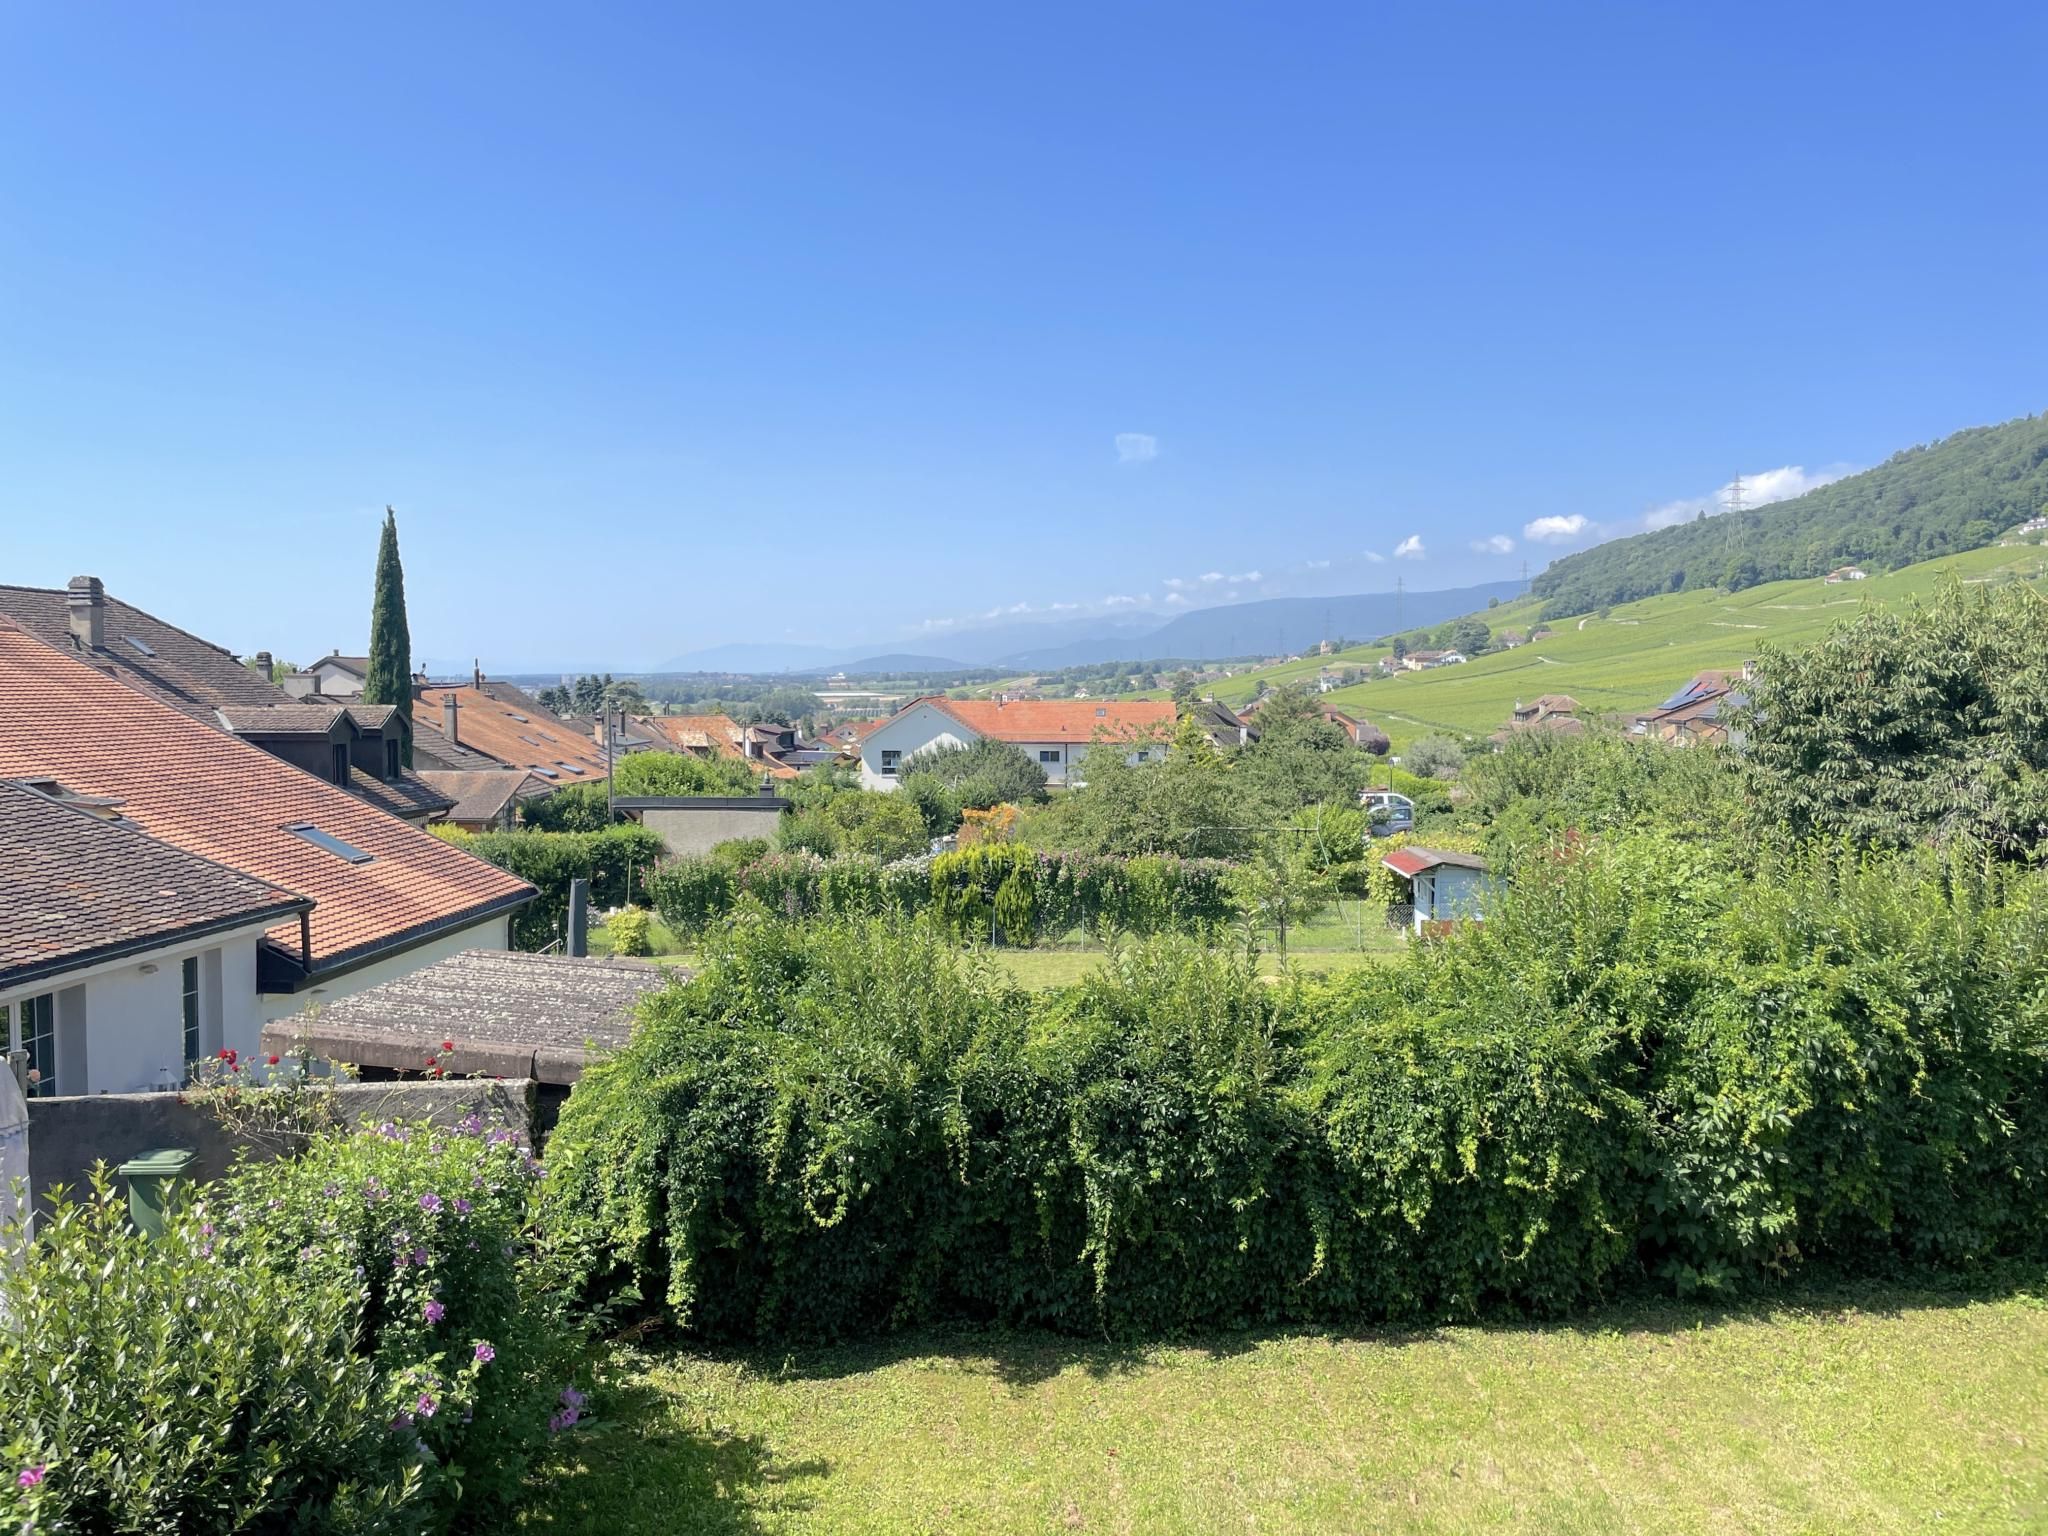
pixel 1629 660
pixel 1950 496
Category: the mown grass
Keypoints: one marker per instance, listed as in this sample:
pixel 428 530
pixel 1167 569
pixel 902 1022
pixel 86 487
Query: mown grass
pixel 1885 1412
pixel 1347 935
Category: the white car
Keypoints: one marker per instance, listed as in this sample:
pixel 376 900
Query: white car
pixel 1386 812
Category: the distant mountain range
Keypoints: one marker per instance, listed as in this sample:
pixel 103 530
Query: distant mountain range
pixel 1280 625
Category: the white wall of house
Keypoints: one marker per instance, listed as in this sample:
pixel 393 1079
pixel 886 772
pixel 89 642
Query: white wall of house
pixel 1062 760
pixel 1450 892
pixel 120 1026
pixel 493 933
pixel 889 747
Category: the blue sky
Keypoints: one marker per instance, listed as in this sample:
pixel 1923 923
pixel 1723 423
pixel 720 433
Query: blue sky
pixel 665 326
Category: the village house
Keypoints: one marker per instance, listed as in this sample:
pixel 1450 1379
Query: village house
pixel 722 737
pixel 1704 712
pixel 1223 726
pixel 488 799
pixel 357 747
pixel 122 958
pixel 1843 573
pixel 1424 661
pixel 1556 713
pixel 385 897
pixel 1056 734
pixel 333 676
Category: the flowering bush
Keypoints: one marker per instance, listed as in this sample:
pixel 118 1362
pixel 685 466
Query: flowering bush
pixel 363 1337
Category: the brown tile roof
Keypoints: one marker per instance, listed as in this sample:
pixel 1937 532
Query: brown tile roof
pixel 1056 719
pixel 481 795
pixel 281 719
pixel 717 734
pixel 519 736
pixel 207 792
pixel 80 889
pixel 186 672
pixel 430 749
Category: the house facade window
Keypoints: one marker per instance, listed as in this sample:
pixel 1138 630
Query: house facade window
pixel 1048 754
pixel 188 998
pixel 391 759
pixel 892 761
pixel 31 1025
pixel 341 763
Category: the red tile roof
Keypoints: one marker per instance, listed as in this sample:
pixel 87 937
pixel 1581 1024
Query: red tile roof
pixel 228 800
pixel 1415 861
pixel 1056 719
pixel 715 734
pixel 517 735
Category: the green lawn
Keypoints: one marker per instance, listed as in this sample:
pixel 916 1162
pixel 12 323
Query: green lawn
pixel 1897 1413
pixel 1347 935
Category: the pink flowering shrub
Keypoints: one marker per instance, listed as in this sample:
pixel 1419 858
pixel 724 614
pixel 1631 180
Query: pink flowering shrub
pixel 362 1338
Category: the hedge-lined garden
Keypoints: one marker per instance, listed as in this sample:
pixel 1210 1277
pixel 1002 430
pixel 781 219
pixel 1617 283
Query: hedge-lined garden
pixel 1645 1072
pixel 995 892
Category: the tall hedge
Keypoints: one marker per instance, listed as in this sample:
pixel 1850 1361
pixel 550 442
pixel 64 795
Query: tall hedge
pixel 551 860
pixel 1643 1072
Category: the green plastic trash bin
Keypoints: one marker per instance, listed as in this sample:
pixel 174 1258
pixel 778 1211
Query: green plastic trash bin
pixel 150 1177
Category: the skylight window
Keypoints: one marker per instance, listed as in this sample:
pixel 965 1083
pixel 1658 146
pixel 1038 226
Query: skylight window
pixel 139 645
pixel 547 773
pixel 571 767
pixel 520 718
pixel 329 842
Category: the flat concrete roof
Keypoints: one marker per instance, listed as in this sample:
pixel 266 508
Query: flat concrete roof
pixel 509 1014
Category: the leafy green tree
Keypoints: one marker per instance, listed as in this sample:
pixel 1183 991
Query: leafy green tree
pixel 1015 777
pixel 1435 757
pixel 1469 637
pixel 389 679
pixel 1909 725
pixel 1282 884
pixel 625 694
pixel 1189 804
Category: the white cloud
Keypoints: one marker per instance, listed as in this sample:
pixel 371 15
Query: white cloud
pixel 1409 548
pixel 1555 530
pixel 1212 577
pixel 1498 544
pixel 1136 447
pixel 1174 583
pixel 1123 600
pixel 1319 565
pixel 1375 557
pixel 1758 490
pixel 1175 597
pixel 1248 576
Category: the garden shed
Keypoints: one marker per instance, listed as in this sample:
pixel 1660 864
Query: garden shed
pixel 1445 887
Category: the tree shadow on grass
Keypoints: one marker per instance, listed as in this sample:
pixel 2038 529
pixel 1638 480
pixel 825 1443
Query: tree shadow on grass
pixel 637 1465
pixel 1021 1359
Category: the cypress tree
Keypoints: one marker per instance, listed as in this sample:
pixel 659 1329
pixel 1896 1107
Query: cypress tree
pixel 389 679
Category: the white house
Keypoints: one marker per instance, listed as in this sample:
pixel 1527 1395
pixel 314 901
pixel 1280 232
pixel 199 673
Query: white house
pixel 1846 573
pixel 122 958
pixel 333 676
pixel 1054 733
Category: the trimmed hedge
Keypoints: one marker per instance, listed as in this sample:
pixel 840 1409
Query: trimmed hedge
pixel 992 892
pixel 551 860
pixel 1641 1073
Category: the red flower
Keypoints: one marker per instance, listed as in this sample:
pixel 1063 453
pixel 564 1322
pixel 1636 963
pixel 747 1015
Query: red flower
pixel 447 1045
pixel 227 1055
pixel 273 1061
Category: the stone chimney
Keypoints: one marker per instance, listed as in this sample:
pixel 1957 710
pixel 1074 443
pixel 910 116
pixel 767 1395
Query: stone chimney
pixel 265 664
pixel 87 602
pixel 451 707
pixel 476 673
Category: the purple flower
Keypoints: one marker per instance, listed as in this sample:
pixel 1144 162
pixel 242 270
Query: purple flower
pixel 419 1257
pixel 572 1399
pixel 430 1202
pixel 331 1191
pixel 470 1124
pixel 403 1421
pixel 485 1354
pixel 463 1207
pixel 427 1406
pixel 499 1137
pixel 435 1312
pixel 390 1132
pixel 31 1476
pixel 206 1229
pixel 566 1419
pixel 373 1190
